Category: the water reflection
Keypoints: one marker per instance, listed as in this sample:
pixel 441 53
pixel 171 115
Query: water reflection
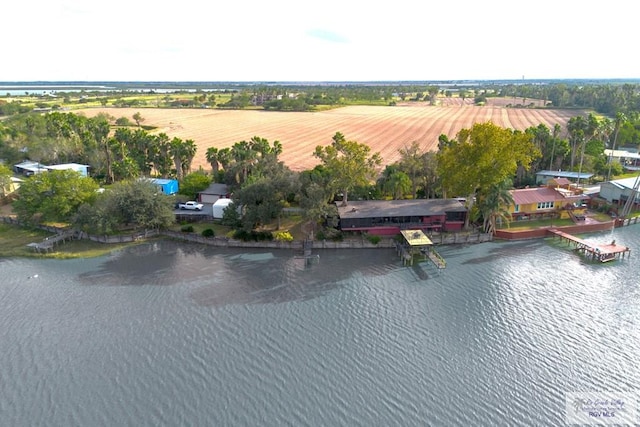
pixel 238 276
pixel 496 253
pixel 271 278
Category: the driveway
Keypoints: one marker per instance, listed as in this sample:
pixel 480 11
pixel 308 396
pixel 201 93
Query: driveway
pixel 207 209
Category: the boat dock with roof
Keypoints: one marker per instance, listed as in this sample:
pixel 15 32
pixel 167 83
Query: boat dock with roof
pixel 597 252
pixel 416 242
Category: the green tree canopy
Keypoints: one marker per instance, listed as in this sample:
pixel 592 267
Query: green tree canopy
pixel 193 183
pixel 133 203
pixel 53 196
pixel 482 157
pixel 349 164
pixel 316 194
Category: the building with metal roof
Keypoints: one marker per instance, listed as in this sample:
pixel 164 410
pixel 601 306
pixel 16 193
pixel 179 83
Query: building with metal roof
pixel 617 192
pixel 542 202
pixel 543 176
pixel 628 159
pixel 389 217
pixel 83 170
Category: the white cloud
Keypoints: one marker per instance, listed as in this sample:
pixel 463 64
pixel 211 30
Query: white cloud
pixel 332 40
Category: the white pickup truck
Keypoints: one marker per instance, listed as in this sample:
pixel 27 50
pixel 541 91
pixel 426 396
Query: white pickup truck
pixel 193 206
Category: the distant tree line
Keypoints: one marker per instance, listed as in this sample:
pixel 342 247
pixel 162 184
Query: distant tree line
pixel 605 97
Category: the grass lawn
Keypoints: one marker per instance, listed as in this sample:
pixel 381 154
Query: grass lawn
pixel 537 223
pixel 199 227
pixel 85 249
pixel 291 223
pixel 14 241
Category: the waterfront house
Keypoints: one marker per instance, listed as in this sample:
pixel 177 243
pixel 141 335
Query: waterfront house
pixel 558 199
pixel 389 217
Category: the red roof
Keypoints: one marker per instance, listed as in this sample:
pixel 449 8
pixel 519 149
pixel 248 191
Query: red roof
pixel 528 196
pixel 560 181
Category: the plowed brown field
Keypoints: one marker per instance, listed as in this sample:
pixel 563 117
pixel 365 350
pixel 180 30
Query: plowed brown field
pixel 384 129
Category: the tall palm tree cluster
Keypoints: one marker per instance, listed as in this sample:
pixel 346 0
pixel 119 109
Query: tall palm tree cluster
pixel 240 160
pixel 137 153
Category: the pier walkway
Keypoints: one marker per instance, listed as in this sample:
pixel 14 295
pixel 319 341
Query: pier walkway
pixel 599 252
pixel 49 243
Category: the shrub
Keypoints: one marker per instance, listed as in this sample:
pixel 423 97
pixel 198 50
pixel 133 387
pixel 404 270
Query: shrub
pixel 241 235
pixel 208 232
pixel 187 229
pixel 283 236
pixel 374 239
pixel 256 236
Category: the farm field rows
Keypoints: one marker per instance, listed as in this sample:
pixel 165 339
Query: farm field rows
pixel 384 129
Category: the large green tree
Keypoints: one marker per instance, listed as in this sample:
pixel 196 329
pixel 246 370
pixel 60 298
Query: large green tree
pixel 412 164
pixel 127 204
pixel 349 164
pixel 53 196
pixel 316 195
pixel 482 157
pixel 268 189
pixel 193 183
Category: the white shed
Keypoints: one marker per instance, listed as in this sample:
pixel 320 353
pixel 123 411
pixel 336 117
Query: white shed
pixel 219 206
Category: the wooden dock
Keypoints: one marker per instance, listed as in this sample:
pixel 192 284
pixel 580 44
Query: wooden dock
pixel 436 258
pixel 49 243
pixel 595 251
pixel 307 248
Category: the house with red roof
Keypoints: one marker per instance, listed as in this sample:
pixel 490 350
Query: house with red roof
pixel 558 199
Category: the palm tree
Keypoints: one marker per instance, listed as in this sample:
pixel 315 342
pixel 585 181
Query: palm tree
pixel 620 118
pixel 398 184
pixel 176 149
pixel 225 158
pixel 576 127
pixel 162 152
pixel 244 157
pixel 592 129
pixel 212 158
pixel 494 204
pixel 189 149
pixel 555 136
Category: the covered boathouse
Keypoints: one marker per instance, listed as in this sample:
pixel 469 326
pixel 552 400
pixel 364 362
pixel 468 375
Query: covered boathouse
pixel 389 217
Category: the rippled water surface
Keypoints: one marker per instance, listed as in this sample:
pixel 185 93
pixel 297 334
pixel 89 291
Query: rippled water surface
pixel 174 334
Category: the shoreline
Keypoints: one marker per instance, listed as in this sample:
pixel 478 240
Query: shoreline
pixel 95 246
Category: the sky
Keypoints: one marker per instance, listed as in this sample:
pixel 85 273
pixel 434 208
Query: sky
pixel 331 40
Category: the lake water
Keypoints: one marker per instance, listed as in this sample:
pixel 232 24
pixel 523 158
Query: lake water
pixel 169 334
pixel 20 90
